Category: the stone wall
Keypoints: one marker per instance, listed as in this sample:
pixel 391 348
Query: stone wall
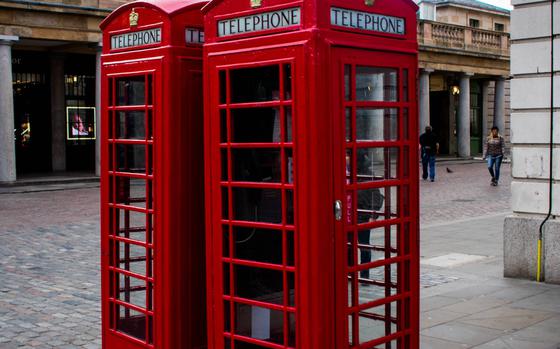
pixel 530 128
pixel 68 20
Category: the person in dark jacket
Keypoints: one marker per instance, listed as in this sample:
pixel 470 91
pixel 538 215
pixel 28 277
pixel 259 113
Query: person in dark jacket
pixel 429 145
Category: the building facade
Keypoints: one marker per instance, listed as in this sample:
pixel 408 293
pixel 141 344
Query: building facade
pixel 49 63
pixel 535 116
pixel 464 67
pixel 49 59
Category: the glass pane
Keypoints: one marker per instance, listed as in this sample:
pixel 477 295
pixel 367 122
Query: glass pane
pixel 131 158
pixel 131 322
pixel 350 248
pixel 225 203
pixel 288 115
pixel 222 77
pixel 224 164
pixel 290 254
pixel 405 124
pixel 289 207
pixel 349 167
pixel 150 126
pixel 225 241
pixel 227 278
pixel 259 284
pixel 259 323
pixel 132 291
pixel 131 191
pixel 256 125
pixel 257 205
pixel 132 258
pixel 223 126
pixel 227 317
pixel 377 203
pixel 291 289
pixel 374 164
pixel 131 91
pixel 289 165
pixel 130 125
pixel 131 224
pixel 255 84
pixel 405 84
pixel 150 92
pixel 348 117
pixel 292 330
pixel 350 330
pixel 376 84
pixel 287 81
pixel 377 283
pixel 378 322
pixel 256 165
pixel 347 70
pixel 259 245
pixel 377 124
pixel 377 243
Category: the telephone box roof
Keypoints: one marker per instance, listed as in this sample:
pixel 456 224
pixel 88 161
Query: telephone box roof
pixel 169 7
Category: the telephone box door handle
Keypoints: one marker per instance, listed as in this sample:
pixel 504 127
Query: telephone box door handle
pixel 338 210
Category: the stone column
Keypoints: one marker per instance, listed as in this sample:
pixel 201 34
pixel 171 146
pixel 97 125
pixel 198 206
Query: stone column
pixel 7 143
pixel 424 102
pixel 58 114
pixel 485 88
pixel 499 105
pixel 463 120
pixel 98 111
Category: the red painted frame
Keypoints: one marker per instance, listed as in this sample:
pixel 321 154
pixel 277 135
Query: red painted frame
pixel 171 267
pixel 317 53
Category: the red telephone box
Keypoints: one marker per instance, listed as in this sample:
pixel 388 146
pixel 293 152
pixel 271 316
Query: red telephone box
pixel 152 214
pixel 312 178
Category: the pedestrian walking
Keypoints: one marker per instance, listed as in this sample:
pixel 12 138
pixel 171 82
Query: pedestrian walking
pixel 429 146
pixel 494 154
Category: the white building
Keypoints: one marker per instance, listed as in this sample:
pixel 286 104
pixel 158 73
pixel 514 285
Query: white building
pixel 531 95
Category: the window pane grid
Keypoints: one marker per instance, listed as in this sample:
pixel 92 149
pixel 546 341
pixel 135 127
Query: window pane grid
pixel 131 207
pixel 394 265
pixel 265 181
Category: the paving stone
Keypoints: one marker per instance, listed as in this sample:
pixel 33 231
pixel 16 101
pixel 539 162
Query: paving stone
pixel 475 305
pixel 462 333
pixel 437 317
pixel 436 302
pixel 435 343
pixel 507 318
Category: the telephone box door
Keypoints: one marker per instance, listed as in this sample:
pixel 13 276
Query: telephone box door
pixel 376 236
pixel 129 236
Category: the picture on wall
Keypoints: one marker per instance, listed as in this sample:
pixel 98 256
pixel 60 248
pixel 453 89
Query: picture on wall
pixel 80 123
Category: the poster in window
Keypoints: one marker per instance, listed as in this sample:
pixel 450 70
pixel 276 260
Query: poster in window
pixel 80 123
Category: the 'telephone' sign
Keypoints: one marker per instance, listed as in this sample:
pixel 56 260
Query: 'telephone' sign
pixel 139 38
pixel 260 21
pixel 367 21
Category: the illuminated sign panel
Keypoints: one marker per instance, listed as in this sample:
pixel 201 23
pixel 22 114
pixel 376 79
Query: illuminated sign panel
pixel 194 36
pixel 136 39
pixel 367 21
pixel 260 21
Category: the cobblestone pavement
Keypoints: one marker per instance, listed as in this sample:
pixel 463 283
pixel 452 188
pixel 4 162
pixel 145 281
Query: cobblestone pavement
pixel 464 192
pixel 49 253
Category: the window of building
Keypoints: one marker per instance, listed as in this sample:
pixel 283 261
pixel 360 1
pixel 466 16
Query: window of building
pixel 499 27
pixel 474 23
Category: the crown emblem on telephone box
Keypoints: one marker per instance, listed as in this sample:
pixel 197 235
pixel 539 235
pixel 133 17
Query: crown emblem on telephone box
pixel 133 18
pixel 256 3
pixel 369 2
